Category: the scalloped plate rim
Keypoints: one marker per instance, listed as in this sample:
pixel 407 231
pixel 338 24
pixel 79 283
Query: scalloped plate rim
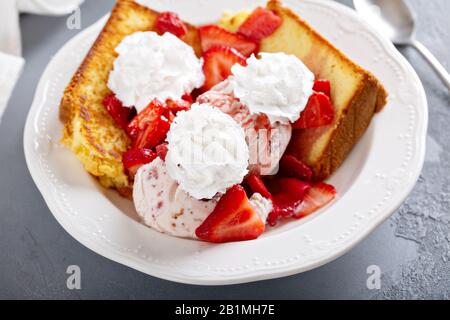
pixel 260 274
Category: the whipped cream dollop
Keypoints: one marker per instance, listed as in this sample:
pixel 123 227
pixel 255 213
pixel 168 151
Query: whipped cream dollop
pixel 165 207
pixel 150 66
pixel 207 151
pixel 277 84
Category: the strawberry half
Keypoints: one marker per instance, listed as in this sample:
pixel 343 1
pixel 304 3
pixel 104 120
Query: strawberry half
pixel 217 65
pixel 257 185
pixel 121 115
pixel 292 167
pixel 133 159
pixel 318 112
pixel 260 24
pixel 213 36
pixel 149 128
pixel 316 197
pixel 323 86
pixel 233 219
pixel 171 22
pixel 288 194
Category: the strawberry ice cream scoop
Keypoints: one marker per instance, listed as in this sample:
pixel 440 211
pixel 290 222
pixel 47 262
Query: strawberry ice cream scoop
pixel 165 207
pixel 267 140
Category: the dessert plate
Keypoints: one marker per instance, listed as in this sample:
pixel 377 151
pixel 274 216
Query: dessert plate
pixel 372 183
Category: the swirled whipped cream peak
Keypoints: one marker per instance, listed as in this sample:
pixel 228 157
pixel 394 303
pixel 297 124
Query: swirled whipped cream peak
pixel 276 84
pixel 207 151
pixel 150 66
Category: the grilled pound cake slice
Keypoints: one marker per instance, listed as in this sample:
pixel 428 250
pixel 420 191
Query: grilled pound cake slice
pixel 356 94
pixel 89 131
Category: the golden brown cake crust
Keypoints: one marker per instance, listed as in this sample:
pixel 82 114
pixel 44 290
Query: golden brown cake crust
pixel 350 129
pixel 89 131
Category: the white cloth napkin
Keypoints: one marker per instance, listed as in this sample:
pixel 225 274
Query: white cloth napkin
pixel 11 62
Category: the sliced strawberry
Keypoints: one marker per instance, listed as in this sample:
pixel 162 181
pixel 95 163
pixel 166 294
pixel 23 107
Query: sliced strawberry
pixel 318 112
pixel 149 128
pixel 161 151
pixel 323 86
pixel 218 63
pixel 169 115
pixel 153 135
pixel 233 219
pixel 149 115
pixel 133 159
pixel 188 98
pixel 179 105
pixel 171 22
pixel 213 36
pixel 121 115
pixel 288 194
pixel 316 197
pixel 260 24
pixel 257 185
pixel 292 167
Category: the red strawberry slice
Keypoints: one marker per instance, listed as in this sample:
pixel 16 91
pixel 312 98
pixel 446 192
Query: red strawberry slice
pixel 188 98
pixel 323 86
pixel 161 151
pixel 260 24
pixel 233 219
pixel 257 185
pixel 318 112
pixel 288 194
pixel 179 105
pixel 153 134
pixel 121 115
pixel 292 167
pixel 171 22
pixel 217 64
pixel 316 197
pixel 213 36
pixel 149 128
pixel 133 159
pixel 169 115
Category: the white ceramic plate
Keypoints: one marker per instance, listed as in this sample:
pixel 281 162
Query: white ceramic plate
pixel 373 182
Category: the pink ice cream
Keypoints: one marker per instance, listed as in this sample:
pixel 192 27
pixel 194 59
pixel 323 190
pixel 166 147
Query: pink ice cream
pixel 267 142
pixel 165 207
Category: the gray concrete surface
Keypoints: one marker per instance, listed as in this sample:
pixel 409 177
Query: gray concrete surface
pixel 412 248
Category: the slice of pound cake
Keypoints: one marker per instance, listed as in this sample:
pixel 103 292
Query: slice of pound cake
pixel 355 93
pixel 89 130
